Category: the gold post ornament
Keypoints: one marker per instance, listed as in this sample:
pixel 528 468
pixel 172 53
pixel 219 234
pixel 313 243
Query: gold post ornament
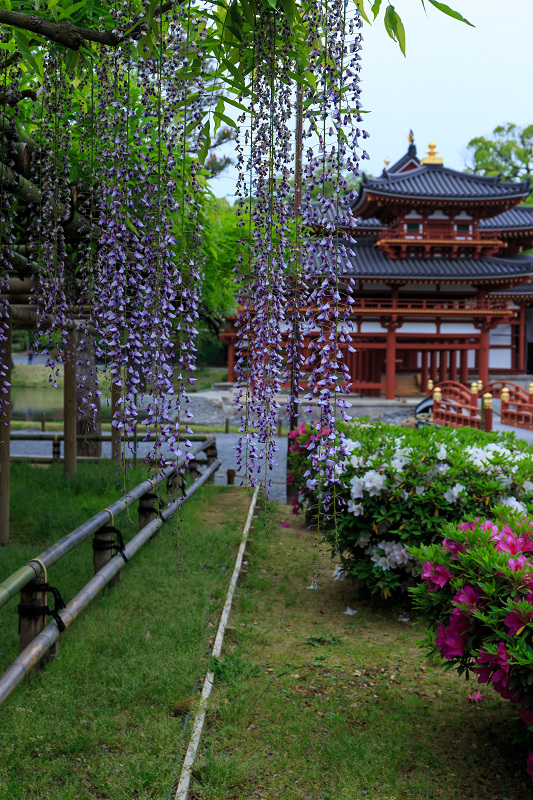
pixel 437 395
pixel 531 388
pixel 505 395
pixel 430 385
pixel 473 388
pixel 479 384
pixel 487 400
pixel 432 157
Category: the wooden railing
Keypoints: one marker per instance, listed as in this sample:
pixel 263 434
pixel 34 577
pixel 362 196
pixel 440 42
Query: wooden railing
pixel 516 403
pixel 37 638
pixel 455 405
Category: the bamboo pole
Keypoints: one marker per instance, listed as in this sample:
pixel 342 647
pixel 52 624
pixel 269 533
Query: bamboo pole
pixel 69 404
pixel 12 584
pixel 44 641
pixel 5 431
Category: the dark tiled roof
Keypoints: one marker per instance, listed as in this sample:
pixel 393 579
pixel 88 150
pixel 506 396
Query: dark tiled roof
pixel 436 182
pixel 404 160
pixel 369 263
pixel 346 218
pixel 513 219
pixel 521 289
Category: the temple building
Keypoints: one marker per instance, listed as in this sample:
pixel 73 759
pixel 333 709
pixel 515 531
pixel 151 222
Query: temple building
pixel 443 286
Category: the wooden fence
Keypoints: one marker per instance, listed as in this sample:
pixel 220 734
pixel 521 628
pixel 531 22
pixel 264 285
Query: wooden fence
pixel 37 638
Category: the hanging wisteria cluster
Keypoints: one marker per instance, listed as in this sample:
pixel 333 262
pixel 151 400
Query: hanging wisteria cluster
pixel 295 286
pixel 132 275
pixel 264 190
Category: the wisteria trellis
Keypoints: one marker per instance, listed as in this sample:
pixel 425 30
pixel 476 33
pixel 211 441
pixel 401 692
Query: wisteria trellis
pixel 134 276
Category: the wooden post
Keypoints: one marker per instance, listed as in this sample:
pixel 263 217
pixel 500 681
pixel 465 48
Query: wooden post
pixel 484 355
pixel 147 509
pixel 443 366
pixel 487 409
pixel 56 449
pixel 43 422
pixel 103 544
pixel 226 427
pixel 69 404
pixel 194 468
pixel 522 338
pixel 433 366
pixel 463 370
pixel 116 449
pixel 5 433
pixel 103 541
pixel 31 623
pixel 425 370
pixel 211 453
pixel 231 477
pixel 390 362
pixel 453 365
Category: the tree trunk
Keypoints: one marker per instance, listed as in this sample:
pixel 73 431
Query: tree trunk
pixel 84 389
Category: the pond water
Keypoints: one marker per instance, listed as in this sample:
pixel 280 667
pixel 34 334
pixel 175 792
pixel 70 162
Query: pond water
pixel 29 404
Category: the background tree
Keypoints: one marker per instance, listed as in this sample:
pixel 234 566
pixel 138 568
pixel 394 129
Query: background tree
pixel 508 153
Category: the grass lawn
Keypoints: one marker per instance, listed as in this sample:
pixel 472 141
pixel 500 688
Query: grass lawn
pixel 96 723
pixel 313 703
pixel 35 376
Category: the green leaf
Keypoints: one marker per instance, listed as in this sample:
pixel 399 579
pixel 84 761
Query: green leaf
pixel 203 151
pixel 375 8
pixel 225 119
pixel 394 27
pixel 361 7
pixel 68 12
pixel 450 12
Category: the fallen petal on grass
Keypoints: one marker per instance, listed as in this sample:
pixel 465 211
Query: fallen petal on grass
pixel 350 611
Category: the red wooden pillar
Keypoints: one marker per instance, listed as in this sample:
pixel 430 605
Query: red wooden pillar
pixel 483 360
pixel 463 370
pixel 425 371
pixel 231 361
pixel 433 366
pixel 443 365
pixel 390 362
pixel 453 365
pixel 521 338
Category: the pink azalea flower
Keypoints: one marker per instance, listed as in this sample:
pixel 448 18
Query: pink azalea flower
pixel 517 563
pixel 467 595
pixel 435 574
pixel 285 525
pixel 478 698
pixel 527 716
pixel 529 769
pixel 488 663
pixel 299 533
pixel 516 620
pixel 451 546
pixel 451 640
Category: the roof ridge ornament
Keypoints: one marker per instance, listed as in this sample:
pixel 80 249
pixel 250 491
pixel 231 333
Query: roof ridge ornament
pixel 432 157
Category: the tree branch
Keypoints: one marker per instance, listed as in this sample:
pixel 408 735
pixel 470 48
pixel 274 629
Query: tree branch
pixel 70 35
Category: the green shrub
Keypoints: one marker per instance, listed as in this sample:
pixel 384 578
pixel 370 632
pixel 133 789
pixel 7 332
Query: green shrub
pixel 398 485
pixel 477 597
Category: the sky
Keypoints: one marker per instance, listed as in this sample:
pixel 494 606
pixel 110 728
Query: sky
pixel 455 83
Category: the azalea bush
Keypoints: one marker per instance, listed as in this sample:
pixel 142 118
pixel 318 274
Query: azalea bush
pixel 477 597
pixel 397 486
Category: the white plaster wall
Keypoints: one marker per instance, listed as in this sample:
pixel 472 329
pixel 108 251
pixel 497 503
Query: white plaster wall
pixel 500 359
pixel 457 328
pixel 500 335
pixel 418 327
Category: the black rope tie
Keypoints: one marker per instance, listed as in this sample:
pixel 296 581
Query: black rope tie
pixel 100 545
pixel 34 612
